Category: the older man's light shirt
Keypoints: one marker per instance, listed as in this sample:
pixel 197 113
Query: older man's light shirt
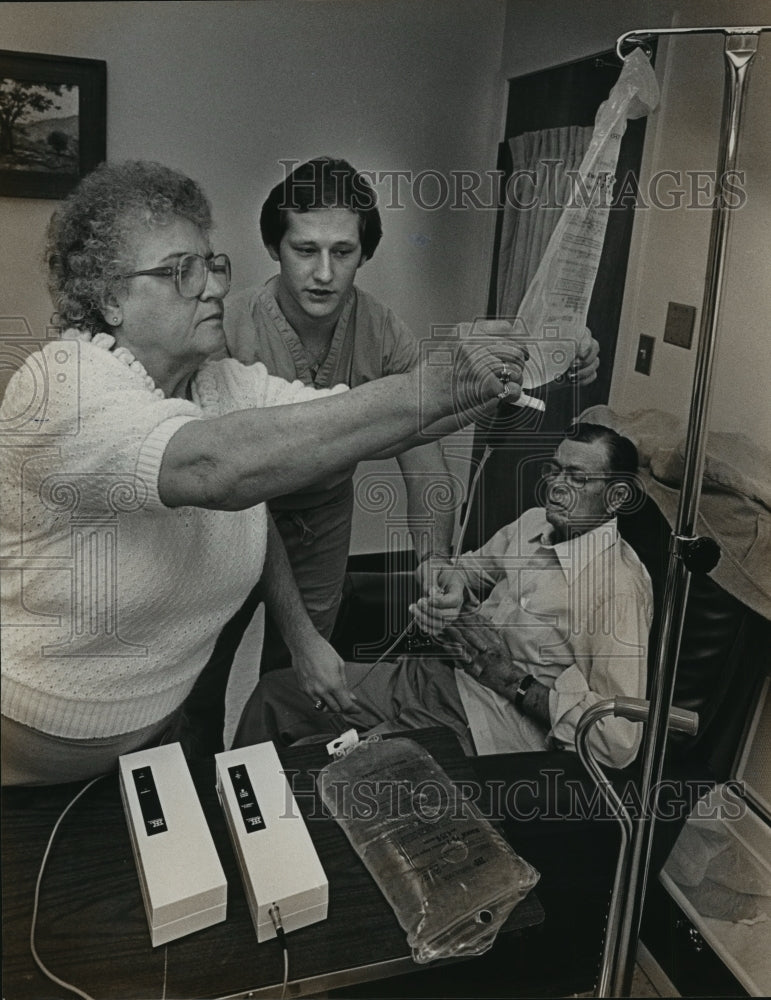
pixel 576 615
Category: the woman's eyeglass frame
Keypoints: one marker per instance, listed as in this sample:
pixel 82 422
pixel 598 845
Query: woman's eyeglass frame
pixel 217 264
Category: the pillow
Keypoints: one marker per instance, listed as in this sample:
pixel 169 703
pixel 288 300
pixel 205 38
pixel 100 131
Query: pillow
pixel 649 430
pixel 733 463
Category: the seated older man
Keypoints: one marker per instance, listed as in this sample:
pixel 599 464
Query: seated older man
pixel 565 612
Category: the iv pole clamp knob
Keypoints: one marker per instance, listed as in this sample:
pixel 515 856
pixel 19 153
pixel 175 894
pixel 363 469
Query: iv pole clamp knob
pixel 700 555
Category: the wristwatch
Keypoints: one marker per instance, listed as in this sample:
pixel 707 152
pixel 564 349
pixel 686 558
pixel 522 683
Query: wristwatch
pixel 519 694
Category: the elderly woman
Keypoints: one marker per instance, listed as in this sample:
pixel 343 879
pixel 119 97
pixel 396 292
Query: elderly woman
pixel 133 465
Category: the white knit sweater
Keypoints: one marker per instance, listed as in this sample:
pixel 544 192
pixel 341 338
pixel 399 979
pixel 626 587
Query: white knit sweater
pixel 112 602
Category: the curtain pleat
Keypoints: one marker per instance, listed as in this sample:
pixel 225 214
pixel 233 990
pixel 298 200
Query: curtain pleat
pixel 536 193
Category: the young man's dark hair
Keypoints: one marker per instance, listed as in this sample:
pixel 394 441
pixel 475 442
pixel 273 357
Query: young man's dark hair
pixel 322 183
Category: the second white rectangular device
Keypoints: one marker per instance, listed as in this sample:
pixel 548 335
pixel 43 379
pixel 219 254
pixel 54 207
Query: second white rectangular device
pixel 278 862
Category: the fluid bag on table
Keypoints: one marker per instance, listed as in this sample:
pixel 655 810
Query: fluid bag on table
pixel 450 877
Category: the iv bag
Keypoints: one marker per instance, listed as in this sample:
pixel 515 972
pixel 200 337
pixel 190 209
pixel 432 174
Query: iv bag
pixel 552 315
pixel 450 877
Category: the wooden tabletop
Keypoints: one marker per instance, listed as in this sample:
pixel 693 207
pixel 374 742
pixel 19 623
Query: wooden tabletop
pixel 92 931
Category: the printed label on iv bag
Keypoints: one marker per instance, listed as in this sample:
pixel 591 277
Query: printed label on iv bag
pixel 551 318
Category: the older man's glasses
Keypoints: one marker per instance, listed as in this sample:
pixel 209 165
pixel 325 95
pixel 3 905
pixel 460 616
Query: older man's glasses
pixel 573 477
pixel 191 273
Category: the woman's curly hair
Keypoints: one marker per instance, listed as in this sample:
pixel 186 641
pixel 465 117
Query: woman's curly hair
pixel 88 237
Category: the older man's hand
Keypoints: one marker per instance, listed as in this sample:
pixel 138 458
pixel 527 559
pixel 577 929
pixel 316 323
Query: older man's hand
pixel 442 603
pixel 482 653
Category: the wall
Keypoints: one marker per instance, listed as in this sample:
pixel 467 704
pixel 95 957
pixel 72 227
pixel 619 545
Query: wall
pixel 669 247
pixel 226 90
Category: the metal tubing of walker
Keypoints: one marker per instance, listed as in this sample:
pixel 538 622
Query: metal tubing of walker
pixel 621 813
pixel 635 710
pixel 739 50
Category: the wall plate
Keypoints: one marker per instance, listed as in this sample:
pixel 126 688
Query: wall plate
pixel 678 328
pixel 644 357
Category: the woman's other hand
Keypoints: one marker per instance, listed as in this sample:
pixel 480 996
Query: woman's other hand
pixel 584 369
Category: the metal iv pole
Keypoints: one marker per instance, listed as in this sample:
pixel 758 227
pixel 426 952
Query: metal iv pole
pixel 686 552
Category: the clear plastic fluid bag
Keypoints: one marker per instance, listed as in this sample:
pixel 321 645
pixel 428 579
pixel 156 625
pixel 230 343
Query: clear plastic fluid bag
pixel 450 877
pixel 551 318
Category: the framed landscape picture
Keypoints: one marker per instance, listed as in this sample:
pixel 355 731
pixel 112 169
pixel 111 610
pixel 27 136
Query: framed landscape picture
pixel 53 113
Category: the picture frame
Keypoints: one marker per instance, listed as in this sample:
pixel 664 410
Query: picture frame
pixel 53 122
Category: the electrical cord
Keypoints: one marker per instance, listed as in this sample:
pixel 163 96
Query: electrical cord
pixel 38 960
pixel 275 916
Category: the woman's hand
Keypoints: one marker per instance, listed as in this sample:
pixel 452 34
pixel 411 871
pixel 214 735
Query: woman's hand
pixel 480 364
pixel 320 672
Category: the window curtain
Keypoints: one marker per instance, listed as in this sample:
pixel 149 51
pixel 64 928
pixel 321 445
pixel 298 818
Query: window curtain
pixel 537 190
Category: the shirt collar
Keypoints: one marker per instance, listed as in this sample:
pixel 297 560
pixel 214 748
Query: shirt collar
pixel 575 554
pixel 295 346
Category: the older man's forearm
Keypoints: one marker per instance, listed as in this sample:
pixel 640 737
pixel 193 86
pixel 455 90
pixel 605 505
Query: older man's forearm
pixel 535 703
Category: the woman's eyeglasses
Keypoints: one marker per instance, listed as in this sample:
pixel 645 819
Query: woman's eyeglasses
pixel 191 272
pixel 573 477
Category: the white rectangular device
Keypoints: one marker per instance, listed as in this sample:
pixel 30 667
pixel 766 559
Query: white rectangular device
pixel 183 885
pixel 278 862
